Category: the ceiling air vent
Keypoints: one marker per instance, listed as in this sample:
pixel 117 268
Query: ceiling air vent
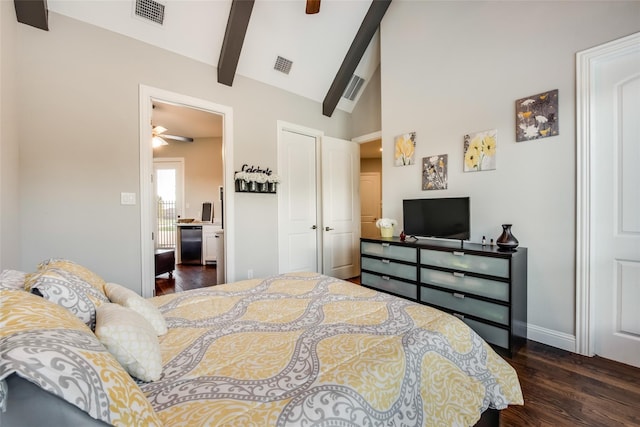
pixel 354 86
pixel 283 65
pixel 151 10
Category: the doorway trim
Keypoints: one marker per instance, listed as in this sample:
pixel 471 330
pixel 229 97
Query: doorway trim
pixel 147 95
pixel 586 62
pixel 368 137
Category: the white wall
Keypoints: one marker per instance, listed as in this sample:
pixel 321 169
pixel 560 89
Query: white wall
pixel 78 128
pixel 9 201
pixel 366 114
pixel 450 68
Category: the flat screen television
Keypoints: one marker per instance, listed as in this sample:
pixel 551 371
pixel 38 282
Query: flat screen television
pixel 446 218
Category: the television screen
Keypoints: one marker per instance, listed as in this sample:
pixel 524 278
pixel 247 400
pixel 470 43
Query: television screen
pixel 445 218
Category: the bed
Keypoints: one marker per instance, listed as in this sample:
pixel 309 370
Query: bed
pixel 289 350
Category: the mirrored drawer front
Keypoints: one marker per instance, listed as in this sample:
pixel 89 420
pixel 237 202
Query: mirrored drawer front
pixel 458 302
pixel 459 260
pixel 390 268
pixel 459 282
pixel 390 251
pixel 491 334
pixel 385 283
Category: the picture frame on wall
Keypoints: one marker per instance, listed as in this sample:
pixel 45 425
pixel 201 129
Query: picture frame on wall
pixel 405 149
pixel 537 116
pixel 480 151
pixel 435 171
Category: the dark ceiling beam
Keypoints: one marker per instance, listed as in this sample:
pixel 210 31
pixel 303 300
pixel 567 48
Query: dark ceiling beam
pixel 368 28
pixel 33 12
pixel 233 40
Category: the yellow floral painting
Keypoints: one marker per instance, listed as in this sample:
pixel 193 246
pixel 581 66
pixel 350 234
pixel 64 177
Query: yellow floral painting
pixel 480 151
pixel 405 149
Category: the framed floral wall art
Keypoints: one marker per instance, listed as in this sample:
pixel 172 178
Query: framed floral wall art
pixel 405 149
pixel 435 172
pixel 537 116
pixel 480 151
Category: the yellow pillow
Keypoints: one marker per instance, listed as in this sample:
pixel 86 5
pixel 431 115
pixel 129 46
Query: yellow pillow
pixel 131 339
pixel 50 347
pixel 127 298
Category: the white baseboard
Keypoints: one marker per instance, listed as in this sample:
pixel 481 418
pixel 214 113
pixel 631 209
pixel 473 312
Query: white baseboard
pixel 550 337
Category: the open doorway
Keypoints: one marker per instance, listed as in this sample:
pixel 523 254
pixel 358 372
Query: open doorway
pixel 188 174
pixel 370 186
pixel 185 135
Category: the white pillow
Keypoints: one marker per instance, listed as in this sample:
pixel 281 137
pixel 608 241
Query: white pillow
pixel 130 339
pixel 12 279
pixel 127 298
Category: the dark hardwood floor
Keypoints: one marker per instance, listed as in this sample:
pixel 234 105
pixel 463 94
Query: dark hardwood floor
pixel 186 277
pixel 561 389
pixel 565 389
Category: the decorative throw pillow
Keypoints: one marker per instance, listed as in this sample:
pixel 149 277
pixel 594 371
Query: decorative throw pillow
pixel 127 298
pixel 50 347
pixel 12 279
pixel 131 340
pixel 65 290
pixel 76 271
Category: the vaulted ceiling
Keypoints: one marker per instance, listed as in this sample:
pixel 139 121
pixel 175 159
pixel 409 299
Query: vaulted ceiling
pixel 246 37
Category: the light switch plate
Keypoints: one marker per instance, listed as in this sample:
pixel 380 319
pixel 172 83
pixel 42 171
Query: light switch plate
pixel 127 198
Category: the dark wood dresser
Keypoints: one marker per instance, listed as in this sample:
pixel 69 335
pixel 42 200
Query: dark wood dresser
pixel 480 284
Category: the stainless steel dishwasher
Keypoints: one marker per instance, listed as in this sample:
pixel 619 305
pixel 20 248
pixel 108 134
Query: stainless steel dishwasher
pixel 191 244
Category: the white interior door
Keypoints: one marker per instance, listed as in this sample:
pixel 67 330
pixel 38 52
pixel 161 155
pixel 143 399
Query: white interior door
pixel 370 203
pixel 616 204
pixel 340 207
pixel 298 225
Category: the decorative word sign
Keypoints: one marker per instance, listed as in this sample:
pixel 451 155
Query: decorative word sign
pixel 252 179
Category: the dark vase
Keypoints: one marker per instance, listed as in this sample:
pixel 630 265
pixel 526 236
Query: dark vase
pixel 506 240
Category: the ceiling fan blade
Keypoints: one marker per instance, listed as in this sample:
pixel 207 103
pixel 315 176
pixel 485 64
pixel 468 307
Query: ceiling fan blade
pixel 178 138
pixel 157 130
pixel 156 141
pixel 313 6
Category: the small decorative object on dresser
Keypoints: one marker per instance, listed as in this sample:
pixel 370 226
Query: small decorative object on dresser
pixel 386 226
pixel 506 240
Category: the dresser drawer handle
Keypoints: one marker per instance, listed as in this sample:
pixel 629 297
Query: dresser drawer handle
pixel 385 261
pixel 457 253
pixel 385 278
pixel 459 316
pixel 457 295
pixel 385 245
pixel 457 274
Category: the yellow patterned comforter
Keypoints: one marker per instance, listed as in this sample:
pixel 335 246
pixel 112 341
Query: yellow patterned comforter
pixel 296 349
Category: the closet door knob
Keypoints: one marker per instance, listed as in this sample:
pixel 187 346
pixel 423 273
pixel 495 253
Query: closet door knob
pixel 328 229
pixel 313 227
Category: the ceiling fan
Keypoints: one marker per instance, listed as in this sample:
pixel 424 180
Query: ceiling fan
pixel 160 138
pixel 313 6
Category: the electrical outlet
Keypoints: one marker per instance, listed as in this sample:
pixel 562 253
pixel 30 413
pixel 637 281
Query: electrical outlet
pixel 249 274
